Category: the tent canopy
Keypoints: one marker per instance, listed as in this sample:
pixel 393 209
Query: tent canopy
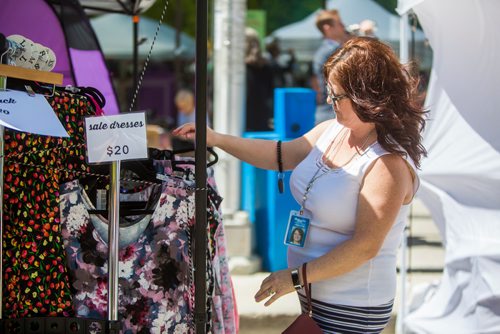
pixel 131 7
pixel 114 32
pixel 304 37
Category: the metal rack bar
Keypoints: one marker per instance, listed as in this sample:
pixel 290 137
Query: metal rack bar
pixel 113 246
pixel 200 238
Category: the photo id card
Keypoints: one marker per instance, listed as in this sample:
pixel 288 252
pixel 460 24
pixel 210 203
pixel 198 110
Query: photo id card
pixel 297 229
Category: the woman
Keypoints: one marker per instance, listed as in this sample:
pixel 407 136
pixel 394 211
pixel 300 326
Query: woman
pixel 354 178
pixel 297 235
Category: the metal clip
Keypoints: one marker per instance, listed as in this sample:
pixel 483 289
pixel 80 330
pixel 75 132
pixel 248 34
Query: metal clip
pixel 72 89
pixel 30 90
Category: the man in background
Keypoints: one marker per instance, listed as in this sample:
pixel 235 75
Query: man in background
pixel 334 34
pixel 184 101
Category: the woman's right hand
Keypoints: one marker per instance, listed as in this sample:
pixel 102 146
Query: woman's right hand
pixel 188 132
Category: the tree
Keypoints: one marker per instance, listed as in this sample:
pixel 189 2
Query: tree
pixel 182 13
pixel 278 17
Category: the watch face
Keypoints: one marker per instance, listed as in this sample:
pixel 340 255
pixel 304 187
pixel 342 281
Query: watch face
pixel 295 279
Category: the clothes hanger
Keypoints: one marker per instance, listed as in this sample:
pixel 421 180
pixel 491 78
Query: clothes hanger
pixel 173 155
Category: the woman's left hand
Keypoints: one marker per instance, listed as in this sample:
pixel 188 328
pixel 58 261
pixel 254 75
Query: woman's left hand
pixel 274 286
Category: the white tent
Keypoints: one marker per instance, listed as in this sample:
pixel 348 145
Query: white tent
pixel 304 37
pixel 461 177
pixel 114 32
pixel 127 6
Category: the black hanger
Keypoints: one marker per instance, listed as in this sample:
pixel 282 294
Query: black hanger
pixel 170 155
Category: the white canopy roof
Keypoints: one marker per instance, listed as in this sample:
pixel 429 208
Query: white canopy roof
pixel 304 37
pixel 114 32
pixel 125 6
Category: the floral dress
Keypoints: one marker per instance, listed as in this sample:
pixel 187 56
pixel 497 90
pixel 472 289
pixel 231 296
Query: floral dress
pixel 154 291
pixel 220 297
pixel 162 241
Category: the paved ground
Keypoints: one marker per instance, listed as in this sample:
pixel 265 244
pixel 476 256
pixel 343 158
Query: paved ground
pixel 425 258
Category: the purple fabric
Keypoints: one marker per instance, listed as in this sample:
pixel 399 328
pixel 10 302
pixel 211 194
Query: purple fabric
pixel 35 20
pixel 157 93
pixel 90 70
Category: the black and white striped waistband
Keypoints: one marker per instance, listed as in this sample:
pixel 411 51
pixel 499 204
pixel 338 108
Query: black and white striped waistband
pixel 334 318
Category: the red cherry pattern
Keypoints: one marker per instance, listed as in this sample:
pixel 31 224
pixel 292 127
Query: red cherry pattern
pixel 35 274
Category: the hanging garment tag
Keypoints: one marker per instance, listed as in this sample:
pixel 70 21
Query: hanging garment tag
pixel 101 200
pixel 297 229
pixel 162 177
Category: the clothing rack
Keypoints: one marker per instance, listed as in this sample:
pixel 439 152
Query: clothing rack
pixel 200 239
pixel 112 326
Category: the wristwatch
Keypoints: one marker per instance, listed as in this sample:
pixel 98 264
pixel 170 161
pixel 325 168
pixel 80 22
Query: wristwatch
pixel 295 279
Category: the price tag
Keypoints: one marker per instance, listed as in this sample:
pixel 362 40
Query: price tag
pixel 18 111
pixel 114 138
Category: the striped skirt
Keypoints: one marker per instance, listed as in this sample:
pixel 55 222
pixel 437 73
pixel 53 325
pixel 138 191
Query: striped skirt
pixel 345 319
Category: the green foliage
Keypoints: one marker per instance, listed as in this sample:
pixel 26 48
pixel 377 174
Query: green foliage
pixel 278 12
pixel 389 5
pixel 181 12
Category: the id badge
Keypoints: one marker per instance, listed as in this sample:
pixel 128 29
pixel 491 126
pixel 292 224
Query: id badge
pixel 296 231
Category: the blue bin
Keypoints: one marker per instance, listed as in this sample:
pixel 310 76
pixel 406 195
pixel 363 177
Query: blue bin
pixel 267 208
pixel 294 110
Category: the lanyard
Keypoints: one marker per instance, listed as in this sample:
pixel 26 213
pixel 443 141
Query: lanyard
pixel 309 186
pixel 316 176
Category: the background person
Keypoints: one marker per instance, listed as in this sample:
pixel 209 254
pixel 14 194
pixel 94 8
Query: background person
pixel 184 102
pixel 354 177
pixel 334 34
pixel 282 64
pixel 367 28
pixel 259 86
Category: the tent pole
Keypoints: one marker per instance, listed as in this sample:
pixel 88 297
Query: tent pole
pixel 404 58
pixel 135 58
pixel 200 230
pixel 177 60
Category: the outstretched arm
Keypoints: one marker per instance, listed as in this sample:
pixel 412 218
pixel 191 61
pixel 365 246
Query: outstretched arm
pixel 260 153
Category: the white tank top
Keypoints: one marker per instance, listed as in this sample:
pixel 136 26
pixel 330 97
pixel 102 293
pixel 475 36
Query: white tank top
pixel 331 206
